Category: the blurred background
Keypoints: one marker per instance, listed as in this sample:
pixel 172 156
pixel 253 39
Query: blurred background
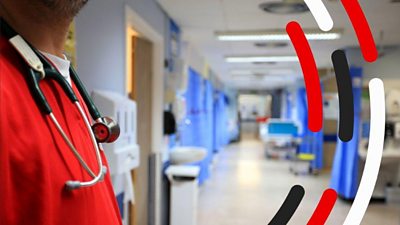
pixel 219 116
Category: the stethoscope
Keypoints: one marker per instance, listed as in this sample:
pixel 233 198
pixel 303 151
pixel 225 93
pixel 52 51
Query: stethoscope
pixel 104 130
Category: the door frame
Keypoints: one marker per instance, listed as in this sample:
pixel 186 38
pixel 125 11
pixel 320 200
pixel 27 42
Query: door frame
pixel 135 23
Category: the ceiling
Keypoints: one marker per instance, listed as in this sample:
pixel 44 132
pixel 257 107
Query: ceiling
pixel 199 21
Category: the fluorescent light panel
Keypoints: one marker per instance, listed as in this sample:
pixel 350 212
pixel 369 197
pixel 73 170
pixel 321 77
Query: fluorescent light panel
pixel 275 37
pixel 266 72
pixel 260 59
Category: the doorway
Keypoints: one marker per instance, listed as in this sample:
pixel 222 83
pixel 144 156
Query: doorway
pixel 144 83
pixel 140 91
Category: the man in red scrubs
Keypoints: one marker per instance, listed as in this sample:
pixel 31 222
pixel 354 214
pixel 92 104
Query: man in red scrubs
pixel 35 161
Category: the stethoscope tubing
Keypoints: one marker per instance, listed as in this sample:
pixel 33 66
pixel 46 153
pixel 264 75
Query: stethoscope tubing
pixel 71 146
pixel 51 72
pixel 102 169
pixel 71 185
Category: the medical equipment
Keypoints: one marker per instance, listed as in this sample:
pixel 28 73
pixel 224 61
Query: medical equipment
pixel 184 183
pixel 123 155
pixel 282 141
pixel 389 174
pixel 104 130
pixel 280 138
pixel 301 164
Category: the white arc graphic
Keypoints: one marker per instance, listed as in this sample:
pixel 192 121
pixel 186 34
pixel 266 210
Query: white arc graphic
pixel 374 156
pixel 320 14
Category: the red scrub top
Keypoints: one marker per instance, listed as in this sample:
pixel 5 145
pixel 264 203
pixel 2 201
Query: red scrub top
pixel 35 161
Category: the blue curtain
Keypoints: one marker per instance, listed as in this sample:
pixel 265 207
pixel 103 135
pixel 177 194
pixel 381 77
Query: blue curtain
pixel 206 121
pixel 344 177
pixel 208 102
pixel 288 105
pixel 197 128
pixel 312 142
pixel 221 132
pixel 191 129
pixel 225 137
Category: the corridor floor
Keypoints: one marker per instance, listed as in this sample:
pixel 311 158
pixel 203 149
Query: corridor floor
pixel 247 189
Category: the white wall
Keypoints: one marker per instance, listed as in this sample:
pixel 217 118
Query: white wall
pixel 100 45
pixel 101 52
pixel 100 34
pixel 258 103
pixel 387 67
pixel 193 58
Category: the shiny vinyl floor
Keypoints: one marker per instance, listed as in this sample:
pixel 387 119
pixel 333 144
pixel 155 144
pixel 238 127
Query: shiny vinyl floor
pixel 247 189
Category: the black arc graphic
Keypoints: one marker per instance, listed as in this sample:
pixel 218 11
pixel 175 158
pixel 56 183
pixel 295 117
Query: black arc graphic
pixel 289 206
pixel 345 89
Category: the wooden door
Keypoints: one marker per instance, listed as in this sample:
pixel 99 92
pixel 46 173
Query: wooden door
pixel 142 93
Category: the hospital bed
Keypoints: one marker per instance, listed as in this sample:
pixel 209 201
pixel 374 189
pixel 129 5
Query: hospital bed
pixel 280 138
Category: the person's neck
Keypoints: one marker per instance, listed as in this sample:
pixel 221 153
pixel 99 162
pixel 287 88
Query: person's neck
pixel 40 31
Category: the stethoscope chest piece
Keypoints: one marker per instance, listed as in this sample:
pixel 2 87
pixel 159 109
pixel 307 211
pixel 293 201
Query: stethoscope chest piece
pixel 106 130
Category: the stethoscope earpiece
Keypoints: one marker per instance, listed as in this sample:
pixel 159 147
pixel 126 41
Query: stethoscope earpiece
pixel 106 130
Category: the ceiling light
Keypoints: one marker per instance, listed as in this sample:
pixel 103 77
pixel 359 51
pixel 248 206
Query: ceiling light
pixel 241 72
pixel 261 72
pixel 284 7
pixel 258 59
pixel 265 44
pixel 264 63
pixel 274 37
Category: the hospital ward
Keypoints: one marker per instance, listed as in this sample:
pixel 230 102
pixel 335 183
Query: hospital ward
pixel 199 112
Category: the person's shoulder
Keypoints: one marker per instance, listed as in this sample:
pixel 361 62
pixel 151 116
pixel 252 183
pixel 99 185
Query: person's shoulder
pixel 7 53
pixel 4 47
pixel 10 61
pixel 12 68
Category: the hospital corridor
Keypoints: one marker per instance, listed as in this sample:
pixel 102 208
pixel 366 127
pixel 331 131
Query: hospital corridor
pixel 243 176
pixel 199 112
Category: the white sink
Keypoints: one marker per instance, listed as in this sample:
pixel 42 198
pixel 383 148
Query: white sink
pixel 184 155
